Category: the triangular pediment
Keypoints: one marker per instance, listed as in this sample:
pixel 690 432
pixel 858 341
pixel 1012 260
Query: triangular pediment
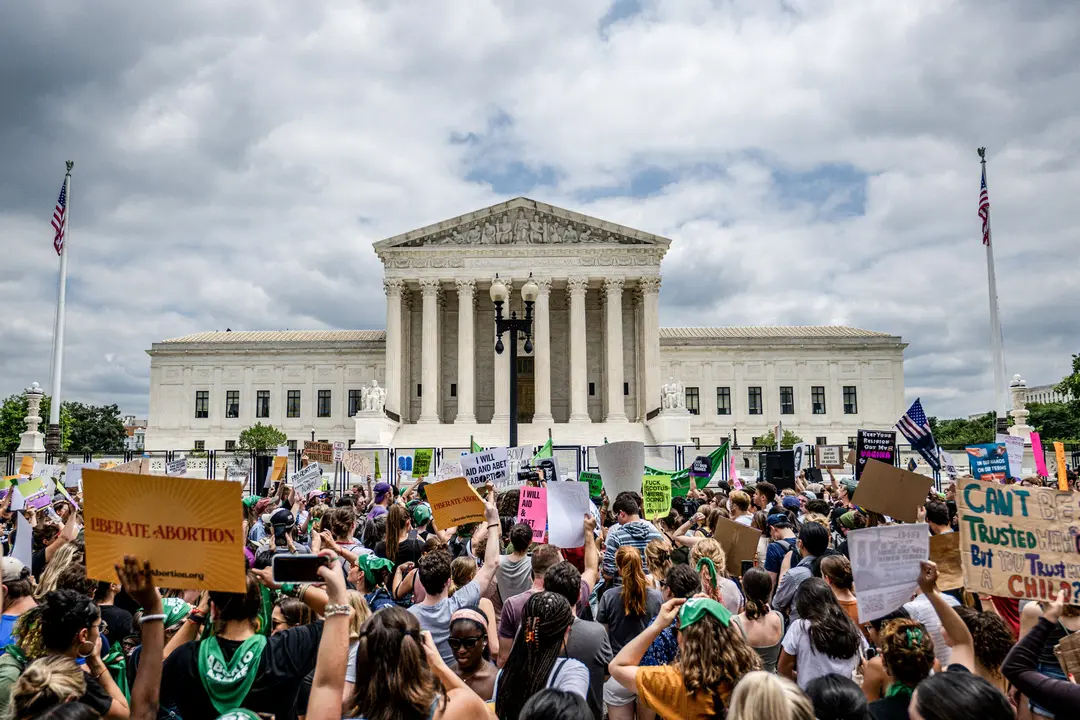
pixel 521 221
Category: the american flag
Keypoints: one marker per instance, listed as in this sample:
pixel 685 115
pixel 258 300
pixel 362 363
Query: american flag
pixel 916 429
pixel 58 220
pixel 984 209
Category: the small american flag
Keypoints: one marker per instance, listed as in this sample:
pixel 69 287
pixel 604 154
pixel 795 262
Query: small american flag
pixel 984 209
pixel 916 430
pixel 58 219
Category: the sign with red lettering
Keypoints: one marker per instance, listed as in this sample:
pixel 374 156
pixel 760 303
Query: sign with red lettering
pixel 191 531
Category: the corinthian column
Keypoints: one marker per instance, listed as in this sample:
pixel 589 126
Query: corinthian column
pixel 650 320
pixel 501 416
pixel 576 288
pixel 615 404
pixel 466 290
pixel 393 288
pixel 429 401
pixel 542 352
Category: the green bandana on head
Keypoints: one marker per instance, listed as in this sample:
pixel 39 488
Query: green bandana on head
pixel 707 562
pixel 175 609
pixel 696 608
pixel 228 683
pixel 369 563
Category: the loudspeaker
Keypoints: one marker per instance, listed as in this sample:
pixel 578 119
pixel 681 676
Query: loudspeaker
pixel 778 468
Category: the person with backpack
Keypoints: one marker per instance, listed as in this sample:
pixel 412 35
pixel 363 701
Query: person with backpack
pixel 782 534
pixel 812 543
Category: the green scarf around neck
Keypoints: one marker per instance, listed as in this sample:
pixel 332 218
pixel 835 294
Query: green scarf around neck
pixel 116 662
pixel 228 683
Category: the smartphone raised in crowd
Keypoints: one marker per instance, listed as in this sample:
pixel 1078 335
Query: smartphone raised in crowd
pixel 298 568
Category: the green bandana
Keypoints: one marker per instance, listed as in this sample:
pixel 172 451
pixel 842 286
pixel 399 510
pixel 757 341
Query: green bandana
pixel 266 610
pixel 707 562
pixel 696 608
pixel 116 662
pixel 848 520
pixel 228 683
pixel 369 563
pixel 176 611
pixel 899 689
pixel 239 714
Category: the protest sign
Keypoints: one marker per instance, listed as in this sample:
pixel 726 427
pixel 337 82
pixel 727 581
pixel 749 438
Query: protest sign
pixel 190 531
pixel 548 468
pixel 947 465
pixel 422 458
pixel 24 534
pixel 622 466
pixel 885 565
pixel 1017 541
pixel 306 479
pixel 454 502
pixel 989 462
pixel 739 542
pixel 516 457
pixel 18 502
pixel 26 465
pixel 176 467
pixel 280 467
pixel 1059 457
pixel 830 457
pixel 238 469
pixel 282 451
pixel 567 505
pixel 891 491
pixel 1040 457
pixel 701 467
pixel 449 469
pixel 945 553
pixel 356 463
pixel 596 483
pixel 138 466
pixel 339 450
pixel 487 466
pixel 1014 448
pixel 320 452
pixel 802 456
pixel 877 445
pixel 656 495
pixel 532 510
pixel 73 473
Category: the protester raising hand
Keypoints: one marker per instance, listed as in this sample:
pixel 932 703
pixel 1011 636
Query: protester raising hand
pixel 1021 666
pixel 138 582
pixel 327 688
pixel 963 645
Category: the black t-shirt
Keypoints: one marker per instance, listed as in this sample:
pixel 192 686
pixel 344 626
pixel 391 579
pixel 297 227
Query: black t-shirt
pixel 289 656
pixel 408 550
pixel 37 563
pixel 119 623
pixel 890 708
pixel 95 696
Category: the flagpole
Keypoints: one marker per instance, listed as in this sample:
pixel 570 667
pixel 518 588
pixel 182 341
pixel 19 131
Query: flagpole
pixel 1000 396
pixel 52 436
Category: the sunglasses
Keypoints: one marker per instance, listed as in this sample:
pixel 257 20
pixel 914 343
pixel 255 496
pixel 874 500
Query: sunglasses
pixel 467 643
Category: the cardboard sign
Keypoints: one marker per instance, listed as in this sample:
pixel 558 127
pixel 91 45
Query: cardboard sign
pixel 176 467
pixel 138 466
pixel 989 462
pixel 339 451
pixel 885 565
pixel 1019 542
pixel 596 483
pixel 1059 456
pixel 422 458
pixel 1014 447
pixel 488 466
pixel 1040 457
pixel 945 552
pixel 656 494
pixel 739 542
pixel 567 505
pixel 26 465
pixel 622 466
pixel 830 457
pixel 891 491
pixel 454 502
pixel 320 452
pixel 356 463
pixel 306 479
pixel 532 510
pixel 877 445
pixel 701 467
pixel 191 531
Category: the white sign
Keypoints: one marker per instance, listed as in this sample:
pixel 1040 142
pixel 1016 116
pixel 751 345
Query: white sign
pixel 802 456
pixel 830 456
pixel 622 466
pixel 283 451
pixel 486 466
pixel 356 463
pixel 238 469
pixel 1015 446
pixel 568 504
pixel 885 564
pixel 948 465
pixel 306 479
pixel 176 467
pixel 73 475
pixel 449 469
pixel 339 451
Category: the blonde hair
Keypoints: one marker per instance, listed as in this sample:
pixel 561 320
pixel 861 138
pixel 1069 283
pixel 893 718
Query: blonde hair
pixel 45 683
pixel 740 500
pixel 658 557
pixel 361 612
pixel 764 696
pixel 462 571
pixel 710 548
pixel 69 554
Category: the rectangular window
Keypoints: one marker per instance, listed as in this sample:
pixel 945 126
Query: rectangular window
pixel 324 403
pixel 787 400
pixel 626 388
pixel 851 441
pixel 232 403
pixel 453 389
pixel 292 404
pixel 851 402
pixel 292 445
pixel 230 445
pixel 200 444
pixel 419 390
pixel 592 388
pixel 817 399
pixel 723 401
pixel 821 440
pixel 753 396
pixel 354 402
pixel 202 403
pixel 262 403
pixel 693 401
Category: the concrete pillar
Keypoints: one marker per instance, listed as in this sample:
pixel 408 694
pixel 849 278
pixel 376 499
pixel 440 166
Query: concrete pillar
pixel 395 397
pixel 615 406
pixel 542 352
pixel 650 312
pixel 429 360
pixel 576 288
pixel 466 393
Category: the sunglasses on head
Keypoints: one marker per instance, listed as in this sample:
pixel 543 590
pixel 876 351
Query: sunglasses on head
pixel 467 643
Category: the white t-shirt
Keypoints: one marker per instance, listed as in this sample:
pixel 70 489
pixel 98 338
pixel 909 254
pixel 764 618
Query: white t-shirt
pixel 566 674
pixel 745 520
pixel 920 609
pixel 812 664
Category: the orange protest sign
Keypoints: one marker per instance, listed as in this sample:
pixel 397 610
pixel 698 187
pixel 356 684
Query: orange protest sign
pixel 26 467
pixel 1059 455
pixel 281 466
pixel 454 502
pixel 191 531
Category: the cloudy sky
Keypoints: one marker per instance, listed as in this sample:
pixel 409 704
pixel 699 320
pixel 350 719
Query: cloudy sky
pixel 813 160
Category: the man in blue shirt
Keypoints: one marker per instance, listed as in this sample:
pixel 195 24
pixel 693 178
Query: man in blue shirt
pixel 18 596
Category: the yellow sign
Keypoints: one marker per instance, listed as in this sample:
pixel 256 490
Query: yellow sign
pixel 656 495
pixel 1059 454
pixel 454 502
pixel 191 531
pixel 281 466
pixel 26 467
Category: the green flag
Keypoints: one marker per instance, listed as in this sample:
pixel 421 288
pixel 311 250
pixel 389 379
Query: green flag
pixel 474 447
pixel 378 470
pixel 680 481
pixel 544 451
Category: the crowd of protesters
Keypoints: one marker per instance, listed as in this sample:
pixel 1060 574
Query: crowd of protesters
pixel 412 620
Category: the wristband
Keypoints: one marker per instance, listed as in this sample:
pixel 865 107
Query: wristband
pixel 289 589
pixel 196 618
pixel 494 525
pixel 334 610
pixel 150 618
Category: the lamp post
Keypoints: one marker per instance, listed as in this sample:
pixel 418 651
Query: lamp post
pixel 500 294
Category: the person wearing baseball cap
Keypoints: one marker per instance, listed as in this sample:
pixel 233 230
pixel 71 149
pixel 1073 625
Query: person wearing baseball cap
pixel 18 596
pixel 782 534
pixel 384 495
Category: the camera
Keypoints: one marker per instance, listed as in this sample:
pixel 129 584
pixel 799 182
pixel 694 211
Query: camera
pixel 528 475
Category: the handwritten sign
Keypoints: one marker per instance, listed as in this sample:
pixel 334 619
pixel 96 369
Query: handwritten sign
pixel 1014 447
pixel 138 466
pixel 176 467
pixel 596 483
pixel 656 494
pixel 1059 456
pixel 422 462
pixel 356 463
pixel 238 469
pixel 1040 457
pixel 885 565
pixel 454 502
pixel 1017 541
pixel 306 479
pixel 877 445
pixel 320 452
pixel 516 457
pixel 532 510
pixel 830 457
pixel 191 531
pixel 989 462
pixel 487 466
pixel 73 473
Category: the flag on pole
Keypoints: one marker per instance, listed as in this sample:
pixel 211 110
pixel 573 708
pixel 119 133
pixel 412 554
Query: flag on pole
pixel 916 430
pixel 545 451
pixel 59 220
pixel 984 209
pixel 474 447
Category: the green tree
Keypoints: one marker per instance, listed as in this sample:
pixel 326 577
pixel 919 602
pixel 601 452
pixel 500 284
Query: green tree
pixel 768 441
pixel 13 421
pixel 261 437
pixel 963 431
pixel 1070 384
pixel 96 428
pixel 1056 421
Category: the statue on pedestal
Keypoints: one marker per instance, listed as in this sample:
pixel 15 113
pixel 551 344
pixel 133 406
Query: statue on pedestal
pixel 372 399
pixel 672 395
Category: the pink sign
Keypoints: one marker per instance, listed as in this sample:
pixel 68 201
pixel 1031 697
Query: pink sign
pixel 1037 451
pixel 532 510
pixel 735 481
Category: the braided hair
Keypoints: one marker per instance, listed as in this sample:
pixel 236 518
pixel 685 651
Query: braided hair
pixel 539 641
